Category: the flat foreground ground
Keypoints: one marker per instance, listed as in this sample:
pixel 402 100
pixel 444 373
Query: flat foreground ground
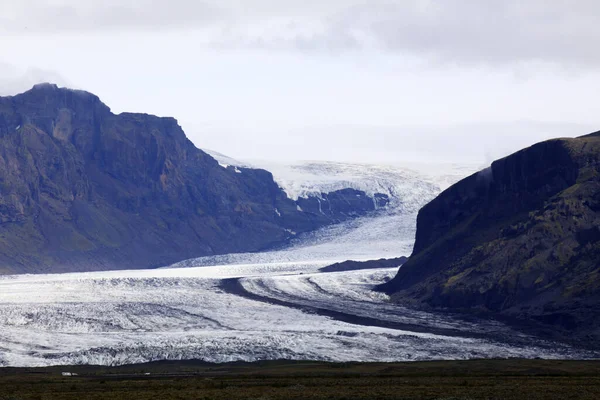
pixel 479 379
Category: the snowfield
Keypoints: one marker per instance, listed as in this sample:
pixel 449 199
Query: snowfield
pixel 272 305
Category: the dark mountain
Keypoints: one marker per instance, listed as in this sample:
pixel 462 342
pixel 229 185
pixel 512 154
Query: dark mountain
pixel 520 240
pixel 84 189
pixel 352 265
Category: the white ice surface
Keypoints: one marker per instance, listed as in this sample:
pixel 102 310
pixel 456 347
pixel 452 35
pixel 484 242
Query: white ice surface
pixel 122 317
pixel 406 182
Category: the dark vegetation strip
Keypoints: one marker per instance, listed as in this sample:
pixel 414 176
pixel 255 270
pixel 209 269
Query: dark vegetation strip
pixel 359 265
pixel 289 380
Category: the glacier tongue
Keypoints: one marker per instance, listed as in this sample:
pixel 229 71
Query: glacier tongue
pixel 121 317
pixel 270 305
pixel 388 232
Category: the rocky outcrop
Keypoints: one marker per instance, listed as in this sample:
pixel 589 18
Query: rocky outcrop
pixel 520 240
pixel 84 189
pixel 351 265
pixel 343 204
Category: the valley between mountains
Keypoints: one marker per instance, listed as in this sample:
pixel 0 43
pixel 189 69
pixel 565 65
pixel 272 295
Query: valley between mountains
pixel 122 243
pixel 255 306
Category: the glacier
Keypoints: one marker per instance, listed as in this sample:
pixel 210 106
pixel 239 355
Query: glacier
pixel 114 318
pixel 270 305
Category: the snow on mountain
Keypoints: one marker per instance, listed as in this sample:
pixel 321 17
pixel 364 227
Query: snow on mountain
pixel 405 183
pixel 408 185
pixel 226 161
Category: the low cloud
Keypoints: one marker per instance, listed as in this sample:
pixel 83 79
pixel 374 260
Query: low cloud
pixel 478 143
pixel 492 32
pixel 450 31
pixel 62 16
pixel 14 81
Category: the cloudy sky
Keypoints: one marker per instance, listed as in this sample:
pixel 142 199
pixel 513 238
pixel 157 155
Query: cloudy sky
pixel 369 81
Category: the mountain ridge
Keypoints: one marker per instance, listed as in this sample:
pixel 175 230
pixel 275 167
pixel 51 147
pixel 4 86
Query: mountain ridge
pixel 83 189
pixel 519 240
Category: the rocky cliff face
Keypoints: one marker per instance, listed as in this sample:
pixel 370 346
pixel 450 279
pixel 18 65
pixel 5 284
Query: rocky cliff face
pixel 84 189
pixel 519 240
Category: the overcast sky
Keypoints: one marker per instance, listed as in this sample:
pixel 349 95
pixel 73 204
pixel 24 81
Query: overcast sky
pixel 388 81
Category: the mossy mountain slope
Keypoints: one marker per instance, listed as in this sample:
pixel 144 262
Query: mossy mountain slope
pixel 84 189
pixel 520 239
